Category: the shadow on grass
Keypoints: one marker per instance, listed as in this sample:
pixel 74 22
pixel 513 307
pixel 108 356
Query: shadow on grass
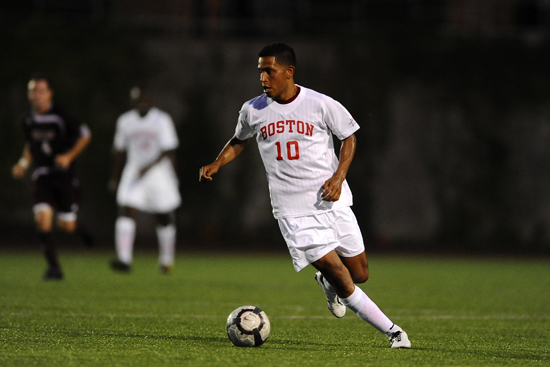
pixel 271 343
pixel 114 334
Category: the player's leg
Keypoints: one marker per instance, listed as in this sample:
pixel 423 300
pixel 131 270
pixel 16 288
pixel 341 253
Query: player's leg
pixel 125 231
pixel 358 267
pixel 163 192
pixel 43 215
pixel 67 188
pixel 130 198
pixel 336 274
pixel 309 239
pixel 44 201
pixel 354 298
pixel 84 233
pixel 350 255
pixel 66 222
pixel 166 234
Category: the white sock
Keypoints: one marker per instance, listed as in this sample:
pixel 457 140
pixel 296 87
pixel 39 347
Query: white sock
pixel 167 244
pixel 125 231
pixel 367 310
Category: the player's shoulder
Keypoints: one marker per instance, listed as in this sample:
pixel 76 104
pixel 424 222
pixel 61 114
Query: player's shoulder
pixel 314 95
pixel 257 103
pixel 130 114
pixel 127 118
pixel 325 102
pixel 160 114
pixel 60 111
pixel 57 109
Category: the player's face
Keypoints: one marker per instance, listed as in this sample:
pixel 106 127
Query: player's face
pixel 144 104
pixel 277 80
pixel 40 95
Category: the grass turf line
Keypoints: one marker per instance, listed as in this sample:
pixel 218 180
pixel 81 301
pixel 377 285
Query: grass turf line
pixel 475 312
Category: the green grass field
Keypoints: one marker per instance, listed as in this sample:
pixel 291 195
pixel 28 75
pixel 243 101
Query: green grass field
pixel 457 312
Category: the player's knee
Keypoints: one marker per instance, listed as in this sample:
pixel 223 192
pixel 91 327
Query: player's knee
pixel 69 227
pixel 67 221
pixel 361 277
pixel 43 214
pixel 164 219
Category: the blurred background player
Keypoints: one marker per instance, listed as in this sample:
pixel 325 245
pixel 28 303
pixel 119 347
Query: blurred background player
pixel 144 144
pixel 311 199
pixel 53 140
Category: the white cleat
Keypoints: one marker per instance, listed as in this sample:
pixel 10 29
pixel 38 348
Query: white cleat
pixel 334 304
pixel 398 338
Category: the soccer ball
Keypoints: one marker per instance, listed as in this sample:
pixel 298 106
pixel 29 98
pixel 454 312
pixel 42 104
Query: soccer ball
pixel 248 326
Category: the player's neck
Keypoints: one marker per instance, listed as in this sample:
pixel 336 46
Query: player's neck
pixel 143 113
pixel 42 108
pixel 295 94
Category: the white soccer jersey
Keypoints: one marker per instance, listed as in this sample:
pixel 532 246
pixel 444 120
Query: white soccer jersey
pixel 145 138
pixel 297 149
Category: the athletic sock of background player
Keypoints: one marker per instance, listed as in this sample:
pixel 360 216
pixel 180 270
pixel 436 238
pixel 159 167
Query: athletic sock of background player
pixel 125 232
pixel 50 252
pixel 367 310
pixel 167 244
pixel 83 232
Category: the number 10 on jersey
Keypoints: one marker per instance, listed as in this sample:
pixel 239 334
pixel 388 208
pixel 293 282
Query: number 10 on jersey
pixel 292 150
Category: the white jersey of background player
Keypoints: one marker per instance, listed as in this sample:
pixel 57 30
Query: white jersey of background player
pixel 146 137
pixel 311 199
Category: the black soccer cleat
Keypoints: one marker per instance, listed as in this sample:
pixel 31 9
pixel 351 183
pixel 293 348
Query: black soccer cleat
pixel 120 266
pixel 53 274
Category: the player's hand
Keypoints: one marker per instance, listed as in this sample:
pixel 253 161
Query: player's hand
pixel 206 172
pixel 63 160
pixel 332 189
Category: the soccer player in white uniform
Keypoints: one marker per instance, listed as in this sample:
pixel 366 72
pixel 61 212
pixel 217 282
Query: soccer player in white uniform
pixel 145 140
pixel 294 128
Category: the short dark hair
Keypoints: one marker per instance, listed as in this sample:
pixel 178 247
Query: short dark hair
pixel 41 76
pixel 138 91
pixel 283 53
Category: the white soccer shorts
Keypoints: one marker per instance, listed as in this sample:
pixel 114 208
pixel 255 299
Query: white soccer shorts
pixel 156 192
pixel 309 238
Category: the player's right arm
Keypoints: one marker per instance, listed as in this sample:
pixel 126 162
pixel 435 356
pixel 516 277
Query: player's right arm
pixel 119 159
pixel 19 169
pixel 230 151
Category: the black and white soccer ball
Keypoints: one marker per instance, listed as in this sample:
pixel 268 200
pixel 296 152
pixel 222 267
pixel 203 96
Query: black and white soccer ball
pixel 248 326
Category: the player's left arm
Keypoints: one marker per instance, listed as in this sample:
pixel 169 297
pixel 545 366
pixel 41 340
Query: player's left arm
pixel 332 188
pixel 64 160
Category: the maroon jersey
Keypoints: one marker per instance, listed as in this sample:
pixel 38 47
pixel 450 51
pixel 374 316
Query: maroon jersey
pixel 49 134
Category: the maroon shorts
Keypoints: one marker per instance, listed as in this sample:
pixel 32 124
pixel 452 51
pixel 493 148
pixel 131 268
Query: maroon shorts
pixel 58 189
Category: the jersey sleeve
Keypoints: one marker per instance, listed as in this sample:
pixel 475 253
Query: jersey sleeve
pixel 168 135
pixel 243 130
pixel 339 120
pixel 85 131
pixel 120 142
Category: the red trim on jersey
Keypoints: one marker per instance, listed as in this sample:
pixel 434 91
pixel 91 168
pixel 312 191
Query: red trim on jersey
pixel 293 98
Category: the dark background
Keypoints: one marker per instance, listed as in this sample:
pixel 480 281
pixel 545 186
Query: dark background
pixel 453 100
